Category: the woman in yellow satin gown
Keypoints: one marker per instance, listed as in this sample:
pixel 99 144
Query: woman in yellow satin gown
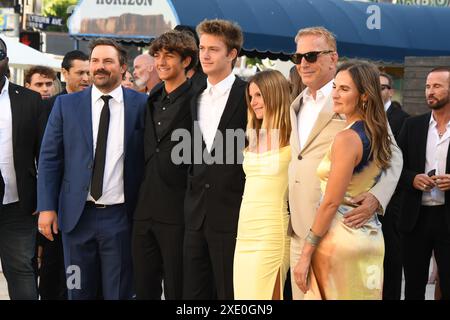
pixel 261 258
pixel 343 262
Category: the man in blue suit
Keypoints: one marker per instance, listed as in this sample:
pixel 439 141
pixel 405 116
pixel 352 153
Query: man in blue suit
pixel 90 168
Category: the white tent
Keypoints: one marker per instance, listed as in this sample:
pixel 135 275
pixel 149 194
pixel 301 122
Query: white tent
pixel 22 56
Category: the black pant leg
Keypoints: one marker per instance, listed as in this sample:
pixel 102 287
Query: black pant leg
pixel 392 265
pixel 442 253
pixel 198 279
pixel 170 239
pixel 417 248
pixel 221 249
pixel 147 262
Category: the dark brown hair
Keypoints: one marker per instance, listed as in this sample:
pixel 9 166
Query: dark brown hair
pixel 121 52
pixel 180 42
pixel 367 81
pixel 45 71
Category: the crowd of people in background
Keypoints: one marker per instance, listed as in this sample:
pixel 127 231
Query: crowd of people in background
pixel 326 188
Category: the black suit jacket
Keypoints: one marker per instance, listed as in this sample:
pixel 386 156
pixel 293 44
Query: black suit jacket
pixel 396 117
pixel 412 141
pixel 215 190
pixel 161 195
pixel 26 110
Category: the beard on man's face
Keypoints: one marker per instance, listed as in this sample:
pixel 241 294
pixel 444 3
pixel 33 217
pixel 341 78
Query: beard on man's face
pixel 436 104
pixel 141 82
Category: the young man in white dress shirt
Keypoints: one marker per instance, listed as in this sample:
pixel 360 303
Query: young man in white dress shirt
pixel 215 184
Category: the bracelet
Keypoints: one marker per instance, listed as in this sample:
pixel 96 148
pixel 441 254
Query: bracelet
pixel 312 238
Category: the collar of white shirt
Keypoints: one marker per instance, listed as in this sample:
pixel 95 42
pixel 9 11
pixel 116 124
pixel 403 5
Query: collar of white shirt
pixel 433 124
pixel 223 86
pixel 387 105
pixel 116 94
pixel 323 92
pixel 5 87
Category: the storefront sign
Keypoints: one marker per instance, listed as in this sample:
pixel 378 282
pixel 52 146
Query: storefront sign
pixel 41 22
pixel 123 18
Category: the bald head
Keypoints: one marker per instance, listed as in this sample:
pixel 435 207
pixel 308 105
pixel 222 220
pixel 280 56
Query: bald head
pixel 144 59
pixel 143 67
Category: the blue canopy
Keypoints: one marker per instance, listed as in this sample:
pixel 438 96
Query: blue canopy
pixel 270 26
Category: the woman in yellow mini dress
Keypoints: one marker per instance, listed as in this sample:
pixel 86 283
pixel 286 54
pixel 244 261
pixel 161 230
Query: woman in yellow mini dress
pixel 344 263
pixel 261 258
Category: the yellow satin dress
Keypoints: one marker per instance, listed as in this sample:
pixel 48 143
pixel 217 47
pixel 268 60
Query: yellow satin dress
pixel 348 262
pixel 262 246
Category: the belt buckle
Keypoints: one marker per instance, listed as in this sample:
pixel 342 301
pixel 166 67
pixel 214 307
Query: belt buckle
pixel 100 206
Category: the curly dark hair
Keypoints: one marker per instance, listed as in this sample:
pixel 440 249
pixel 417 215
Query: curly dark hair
pixel 180 42
pixel 45 71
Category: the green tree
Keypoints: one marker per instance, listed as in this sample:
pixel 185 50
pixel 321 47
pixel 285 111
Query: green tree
pixel 61 9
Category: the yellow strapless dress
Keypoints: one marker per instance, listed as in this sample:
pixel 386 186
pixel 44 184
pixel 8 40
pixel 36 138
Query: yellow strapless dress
pixel 262 246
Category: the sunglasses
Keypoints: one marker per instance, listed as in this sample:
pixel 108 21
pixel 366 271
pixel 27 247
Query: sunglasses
pixel 2 54
pixel 309 56
pixel 385 86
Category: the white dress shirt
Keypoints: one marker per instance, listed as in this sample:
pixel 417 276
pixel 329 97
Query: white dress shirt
pixel 113 174
pixel 436 158
pixel 387 105
pixel 310 109
pixel 6 147
pixel 211 105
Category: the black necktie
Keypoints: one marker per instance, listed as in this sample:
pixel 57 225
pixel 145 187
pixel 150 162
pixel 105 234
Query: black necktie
pixel 100 151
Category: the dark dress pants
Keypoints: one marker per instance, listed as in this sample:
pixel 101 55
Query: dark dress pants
pixel 430 233
pixel 97 252
pixel 392 284
pixel 17 251
pixel 157 250
pixel 208 264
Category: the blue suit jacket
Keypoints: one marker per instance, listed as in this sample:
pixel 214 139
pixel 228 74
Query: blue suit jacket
pixel 67 156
